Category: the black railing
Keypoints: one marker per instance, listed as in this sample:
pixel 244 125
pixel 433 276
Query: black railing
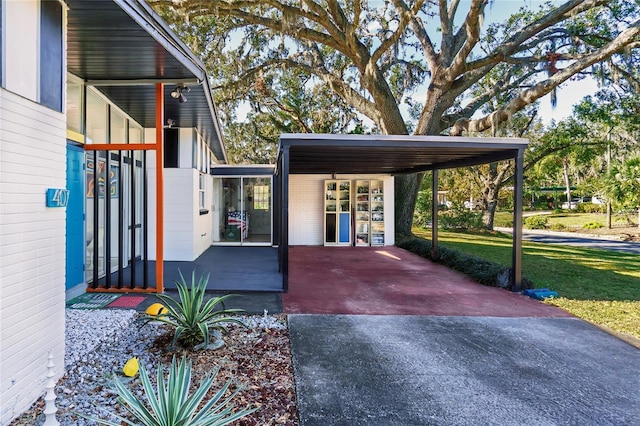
pixel 106 188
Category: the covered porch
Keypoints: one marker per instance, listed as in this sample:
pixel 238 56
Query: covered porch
pixel 230 269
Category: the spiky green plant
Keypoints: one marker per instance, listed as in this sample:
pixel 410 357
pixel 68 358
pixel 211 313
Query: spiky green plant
pixel 171 404
pixel 192 317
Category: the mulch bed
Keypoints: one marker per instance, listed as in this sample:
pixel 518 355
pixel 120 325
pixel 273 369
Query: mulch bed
pixel 258 361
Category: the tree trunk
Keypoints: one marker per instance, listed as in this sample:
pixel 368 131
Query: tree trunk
pixel 406 194
pixel 565 169
pixel 492 186
pixel 489 215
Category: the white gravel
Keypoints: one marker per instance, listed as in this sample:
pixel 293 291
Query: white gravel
pixel 98 343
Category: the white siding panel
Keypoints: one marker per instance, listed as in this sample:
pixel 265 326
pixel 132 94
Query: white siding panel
pixel 306 207
pixel 32 244
pixel 179 200
pixel 187 233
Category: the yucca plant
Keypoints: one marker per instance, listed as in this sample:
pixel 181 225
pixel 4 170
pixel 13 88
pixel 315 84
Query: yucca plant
pixel 192 317
pixel 171 404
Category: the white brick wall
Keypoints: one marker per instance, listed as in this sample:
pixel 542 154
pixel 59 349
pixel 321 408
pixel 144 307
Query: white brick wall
pixel 306 207
pixel 32 250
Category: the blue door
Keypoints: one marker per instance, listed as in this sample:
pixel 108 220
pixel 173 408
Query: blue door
pixel 75 217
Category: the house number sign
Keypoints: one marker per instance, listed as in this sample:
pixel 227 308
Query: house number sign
pixel 57 197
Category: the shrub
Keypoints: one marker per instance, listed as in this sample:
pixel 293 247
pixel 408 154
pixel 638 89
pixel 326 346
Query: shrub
pixel 589 208
pixel 558 226
pixel 592 225
pixel 481 270
pixel 536 222
pixel 459 218
pixel 192 318
pixel 171 403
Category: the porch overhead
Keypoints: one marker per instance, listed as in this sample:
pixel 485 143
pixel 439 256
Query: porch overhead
pixel 392 154
pixel 123 48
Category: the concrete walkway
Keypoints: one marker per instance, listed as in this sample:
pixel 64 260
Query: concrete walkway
pixel 419 370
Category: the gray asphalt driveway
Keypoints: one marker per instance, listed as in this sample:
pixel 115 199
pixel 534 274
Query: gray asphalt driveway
pixel 418 370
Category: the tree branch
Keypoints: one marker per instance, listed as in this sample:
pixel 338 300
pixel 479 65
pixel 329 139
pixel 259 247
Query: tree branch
pixel 538 90
pixel 421 34
pixel 470 33
pixel 405 18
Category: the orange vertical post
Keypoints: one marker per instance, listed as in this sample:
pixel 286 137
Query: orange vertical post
pixel 159 188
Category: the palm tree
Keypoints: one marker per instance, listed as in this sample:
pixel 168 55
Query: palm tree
pixel 623 184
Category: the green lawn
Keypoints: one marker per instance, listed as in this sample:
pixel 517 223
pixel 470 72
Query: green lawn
pixel 597 285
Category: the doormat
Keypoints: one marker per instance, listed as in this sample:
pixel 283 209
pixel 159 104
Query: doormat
pixel 91 301
pixel 126 302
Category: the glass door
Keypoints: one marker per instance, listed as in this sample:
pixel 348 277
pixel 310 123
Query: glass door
pixel 244 216
pixel 257 209
pixel 233 225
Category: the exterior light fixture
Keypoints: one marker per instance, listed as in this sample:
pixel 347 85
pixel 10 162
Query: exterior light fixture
pixel 178 93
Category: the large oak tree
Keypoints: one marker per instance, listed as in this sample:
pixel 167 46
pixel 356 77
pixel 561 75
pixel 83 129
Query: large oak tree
pixel 427 54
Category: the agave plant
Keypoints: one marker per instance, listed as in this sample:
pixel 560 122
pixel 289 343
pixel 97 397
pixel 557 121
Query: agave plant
pixel 192 317
pixel 171 404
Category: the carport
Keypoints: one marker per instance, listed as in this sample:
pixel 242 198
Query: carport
pixel 391 154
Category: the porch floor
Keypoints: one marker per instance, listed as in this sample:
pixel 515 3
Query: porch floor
pixel 230 268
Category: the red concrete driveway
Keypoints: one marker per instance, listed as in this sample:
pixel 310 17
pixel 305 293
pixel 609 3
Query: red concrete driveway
pixel 393 281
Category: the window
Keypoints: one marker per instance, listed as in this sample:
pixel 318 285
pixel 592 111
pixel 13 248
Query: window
pixel 135 133
pixel 74 106
pixel 171 148
pixel 261 197
pixel 202 195
pixel 96 118
pixel 118 128
pixel 51 59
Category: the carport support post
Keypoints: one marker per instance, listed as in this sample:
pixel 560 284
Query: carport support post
pixel 516 263
pixel 434 215
pixel 284 242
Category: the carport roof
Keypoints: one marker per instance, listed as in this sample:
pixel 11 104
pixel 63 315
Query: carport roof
pixel 393 154
pixel 123 48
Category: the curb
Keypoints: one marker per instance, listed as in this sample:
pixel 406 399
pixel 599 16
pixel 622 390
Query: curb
pixel 627 338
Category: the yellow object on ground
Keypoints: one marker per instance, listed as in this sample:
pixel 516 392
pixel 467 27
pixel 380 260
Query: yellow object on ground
pixel 130 369
pixel 156 309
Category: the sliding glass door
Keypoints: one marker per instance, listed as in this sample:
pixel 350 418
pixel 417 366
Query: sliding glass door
pixel 244 213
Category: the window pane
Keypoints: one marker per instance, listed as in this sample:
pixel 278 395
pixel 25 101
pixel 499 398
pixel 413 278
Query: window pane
pixel 74 106
pixel 96 119
pixel 135 133
pixel 118 127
